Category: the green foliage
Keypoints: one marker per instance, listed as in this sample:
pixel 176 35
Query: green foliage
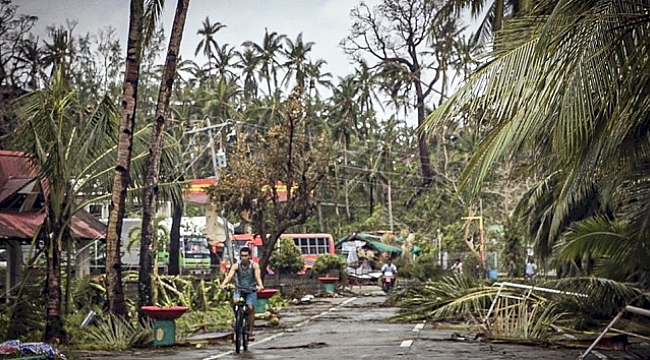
pixel 277 301
pixel 423 268
pixel 514 254
pixel 287 258
pixel 115 333
pixel 328 262
pixel 217 318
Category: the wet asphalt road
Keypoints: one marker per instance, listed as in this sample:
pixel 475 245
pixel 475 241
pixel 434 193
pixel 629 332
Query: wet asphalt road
pixel 353 327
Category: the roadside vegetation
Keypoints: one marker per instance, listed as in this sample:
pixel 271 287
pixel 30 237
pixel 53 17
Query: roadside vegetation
pixel 531 142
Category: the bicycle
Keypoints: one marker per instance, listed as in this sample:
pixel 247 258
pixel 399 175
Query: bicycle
pixel 241 320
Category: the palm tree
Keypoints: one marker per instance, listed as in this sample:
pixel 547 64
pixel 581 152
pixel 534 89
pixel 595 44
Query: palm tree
pixel 31 57
pixel 566 85
pixel 208 45
pixel 121 178
pixel 297 60
pixel 58 52
pixel 249 63
pixel 145 289
pixel 223 60
pixel 267 54
pixel 316 77
pixel 67 151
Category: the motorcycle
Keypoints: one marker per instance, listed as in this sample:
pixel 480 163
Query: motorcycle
pixel 388 281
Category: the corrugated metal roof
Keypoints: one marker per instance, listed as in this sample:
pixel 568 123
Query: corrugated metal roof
pixel 23 226
pixel 14 164
pixel 15 173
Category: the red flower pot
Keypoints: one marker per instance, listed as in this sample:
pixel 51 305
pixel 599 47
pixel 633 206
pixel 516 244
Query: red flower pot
pixel 328 279
pixel 164 313
pixel 266 293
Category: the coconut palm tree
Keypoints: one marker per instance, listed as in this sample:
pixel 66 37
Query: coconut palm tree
pixel 149 205
pixel 267 53
pixel 208 45
pixel 249 63
pixel 297 60
pixel 121 178
pixel 66 148
pixel 31 57
pixel 223 59
pixel 568 85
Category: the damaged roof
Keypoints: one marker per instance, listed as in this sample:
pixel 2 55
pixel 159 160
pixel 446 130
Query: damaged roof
pixel 18 180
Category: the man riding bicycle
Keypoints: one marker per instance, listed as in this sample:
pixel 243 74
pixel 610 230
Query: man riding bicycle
pixel 248 276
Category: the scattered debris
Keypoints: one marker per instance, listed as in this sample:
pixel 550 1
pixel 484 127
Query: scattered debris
pixel 313 345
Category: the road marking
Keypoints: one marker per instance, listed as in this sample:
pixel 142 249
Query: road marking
pixel 599 355
pixel 406 343
pixel 267 339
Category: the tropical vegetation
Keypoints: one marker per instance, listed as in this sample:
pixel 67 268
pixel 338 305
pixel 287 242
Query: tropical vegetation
pixel 536 125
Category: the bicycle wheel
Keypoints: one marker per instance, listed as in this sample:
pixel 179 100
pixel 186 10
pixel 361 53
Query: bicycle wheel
pixel 239 328
pixel 245 330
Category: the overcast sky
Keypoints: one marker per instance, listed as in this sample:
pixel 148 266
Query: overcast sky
pixel 324 22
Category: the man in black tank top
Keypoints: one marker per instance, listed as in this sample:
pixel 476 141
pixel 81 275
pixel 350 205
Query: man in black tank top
pixel 249 281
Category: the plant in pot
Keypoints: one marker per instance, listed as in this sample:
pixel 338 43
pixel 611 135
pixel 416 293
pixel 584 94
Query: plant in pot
pixel 287 258
pixel 328 265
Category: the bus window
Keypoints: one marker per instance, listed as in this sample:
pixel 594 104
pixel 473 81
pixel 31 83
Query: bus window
pixel 323 247
pixel 313 247
pixel 304 246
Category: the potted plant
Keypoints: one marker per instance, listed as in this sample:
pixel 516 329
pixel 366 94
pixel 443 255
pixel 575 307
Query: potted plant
pixel 329 267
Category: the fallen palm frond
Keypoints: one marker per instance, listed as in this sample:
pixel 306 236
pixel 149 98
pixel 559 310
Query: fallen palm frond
pixel 116 333
pixel 522 314
pixel 443 298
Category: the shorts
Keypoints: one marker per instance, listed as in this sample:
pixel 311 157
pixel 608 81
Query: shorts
pixel 250 296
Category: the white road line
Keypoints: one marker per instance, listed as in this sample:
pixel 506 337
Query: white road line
pixel 267 339
pixel 599 355
pixel 406 343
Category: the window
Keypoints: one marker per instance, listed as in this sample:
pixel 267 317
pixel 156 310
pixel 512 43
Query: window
pixel 313 247
pixel 304 245
pixel 323 246
pixel 96 210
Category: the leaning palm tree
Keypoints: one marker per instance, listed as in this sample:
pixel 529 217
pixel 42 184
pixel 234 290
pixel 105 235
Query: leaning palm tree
pixel 149 205
pixel 569 84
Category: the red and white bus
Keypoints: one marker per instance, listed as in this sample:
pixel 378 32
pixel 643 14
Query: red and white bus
pixel 311 245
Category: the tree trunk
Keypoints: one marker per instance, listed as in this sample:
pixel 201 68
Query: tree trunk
pixel 54 332
pixel 348 214
pixel 145 290
pixel 423 144
pixel 114 288
pixel 390 207
pixel 175 240
pixel 321 227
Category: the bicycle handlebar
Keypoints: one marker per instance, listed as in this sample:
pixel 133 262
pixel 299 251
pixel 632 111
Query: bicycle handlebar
pixel 231 287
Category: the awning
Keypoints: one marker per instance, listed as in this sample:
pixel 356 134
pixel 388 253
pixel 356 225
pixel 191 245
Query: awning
pixel 372 241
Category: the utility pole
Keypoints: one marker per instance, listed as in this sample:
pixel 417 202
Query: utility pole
pixel 214 153
pixel 215 156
